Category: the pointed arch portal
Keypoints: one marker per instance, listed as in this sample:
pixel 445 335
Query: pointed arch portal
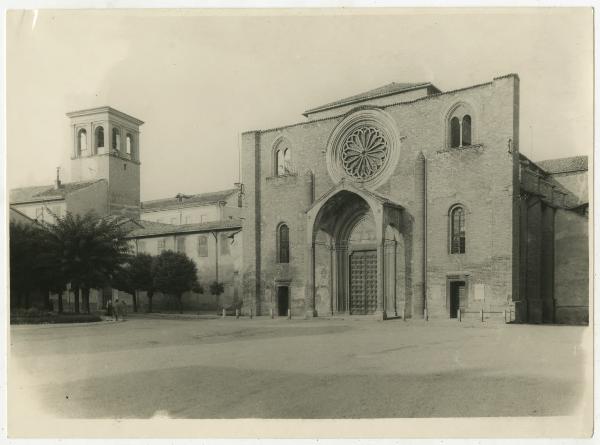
pixel 357 254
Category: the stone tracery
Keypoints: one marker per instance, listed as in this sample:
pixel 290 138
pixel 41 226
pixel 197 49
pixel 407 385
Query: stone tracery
pixel 364 152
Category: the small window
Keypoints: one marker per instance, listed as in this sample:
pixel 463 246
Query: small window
pixel 454 132
pixel 128 144
pixel 224 244
pixel 99 137
pixel 466 130
pixel 280 169
pixel 457 230
pixel 283 248
pixel 282 159
pixel 460 126
pixel 81 141
pixel 202 246
pixel 181 244
pixel 116 139
pixel 287 161
pixel 141 246
pixel 161 244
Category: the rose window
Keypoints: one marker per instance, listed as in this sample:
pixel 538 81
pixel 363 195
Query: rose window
pixel 364 152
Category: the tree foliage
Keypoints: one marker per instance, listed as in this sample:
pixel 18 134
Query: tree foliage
pixel 92 248
pixel 24 251
pixel 137 274
pixel 84 250
pixel 175 273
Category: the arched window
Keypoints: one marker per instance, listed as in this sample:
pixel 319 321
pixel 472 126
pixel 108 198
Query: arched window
pixel 282 158
pixel 466 130
pixel 81 141
pixel 116 139
pixel 457 230
pixel 128 144
pixel 283 244
pixel 460 126
pixel 280 163
pixel 99 138
pixel 454 132
pixel 287 160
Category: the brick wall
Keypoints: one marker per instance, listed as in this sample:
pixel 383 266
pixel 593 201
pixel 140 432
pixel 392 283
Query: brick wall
pixel 480 177
pixel 571 261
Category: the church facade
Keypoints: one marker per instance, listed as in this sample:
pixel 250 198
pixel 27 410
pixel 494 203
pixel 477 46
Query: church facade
pixel 406 201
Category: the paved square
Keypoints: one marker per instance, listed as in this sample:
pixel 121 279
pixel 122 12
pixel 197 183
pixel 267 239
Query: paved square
pixel 265 368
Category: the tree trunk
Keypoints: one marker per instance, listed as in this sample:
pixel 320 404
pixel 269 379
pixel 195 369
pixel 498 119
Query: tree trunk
pixel 134 298
pixel 60 302
pixel 76 300
pixel 85 296
pixel 47 300
pixel 150 295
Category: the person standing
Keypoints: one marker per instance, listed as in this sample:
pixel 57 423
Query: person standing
pixel 123 310
pixel 116 309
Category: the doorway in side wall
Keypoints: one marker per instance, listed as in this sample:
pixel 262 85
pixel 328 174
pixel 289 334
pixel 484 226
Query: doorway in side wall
pixel 283 300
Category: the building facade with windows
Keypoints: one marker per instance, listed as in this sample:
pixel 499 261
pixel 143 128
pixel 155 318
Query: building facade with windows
pixel 215 247
pixel 194 209
pixel 105 171
pixel 406 201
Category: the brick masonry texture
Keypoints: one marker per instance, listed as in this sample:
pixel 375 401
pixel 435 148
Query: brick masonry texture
pixel 479 177
pixel 511 252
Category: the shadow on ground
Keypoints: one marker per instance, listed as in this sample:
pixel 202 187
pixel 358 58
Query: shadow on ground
pixel 220 392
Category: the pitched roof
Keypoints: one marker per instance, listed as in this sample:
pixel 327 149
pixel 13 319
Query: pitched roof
pixel 571 201
pixel 47 192
pixel 386 90
pixel 564 165
pixel 16 216
pixel 188 201
pixel 151 228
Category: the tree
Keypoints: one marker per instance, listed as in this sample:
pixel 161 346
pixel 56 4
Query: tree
pixel 33 265
pixel 137 274
pixel 24 250
pixel 175 274
pixel 217 289
pixel 90 251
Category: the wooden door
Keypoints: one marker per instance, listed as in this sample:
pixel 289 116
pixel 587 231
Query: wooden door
pixel 363 282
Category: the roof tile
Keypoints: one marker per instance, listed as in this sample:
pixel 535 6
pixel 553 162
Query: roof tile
pixel 564 165
pixel 390 88
pixel 47 192
pixel 151 228
pixel 190 200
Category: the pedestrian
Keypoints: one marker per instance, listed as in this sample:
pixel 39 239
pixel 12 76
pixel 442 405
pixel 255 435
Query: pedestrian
pixel 123 310
pixel 116 309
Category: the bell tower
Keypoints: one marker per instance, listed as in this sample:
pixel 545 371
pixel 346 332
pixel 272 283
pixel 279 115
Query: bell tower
pixel 106 146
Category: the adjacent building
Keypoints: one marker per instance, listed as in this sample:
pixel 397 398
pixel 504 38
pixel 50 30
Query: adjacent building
pixel 105 168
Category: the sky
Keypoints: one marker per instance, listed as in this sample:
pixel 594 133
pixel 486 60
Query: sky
pixel 200 78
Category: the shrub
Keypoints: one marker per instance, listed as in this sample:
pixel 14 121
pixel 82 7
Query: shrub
pixel 31 317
